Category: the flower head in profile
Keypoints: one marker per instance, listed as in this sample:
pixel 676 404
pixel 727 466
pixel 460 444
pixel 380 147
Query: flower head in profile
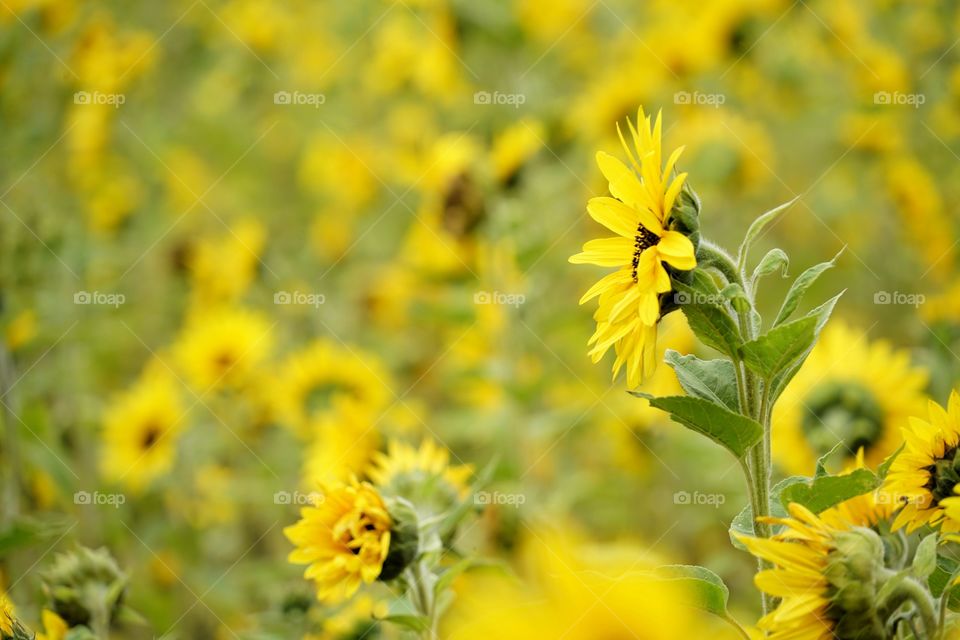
pixel 927 471
pixel 645 250
pixel 6 615
pixel 826 576
pixel 421 474
pixel 344 538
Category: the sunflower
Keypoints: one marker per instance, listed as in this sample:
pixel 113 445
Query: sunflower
pixel 7 615
pixel 572 590
pixel 422 475
pixel 222 347
pixel 850 391
pixel 343 444
pixel 223 268
pixel 639 213
pixel 926 471
pixel 140 431
pixel 826 576
pixel 317 382
pixel 344 539
pixel 54 627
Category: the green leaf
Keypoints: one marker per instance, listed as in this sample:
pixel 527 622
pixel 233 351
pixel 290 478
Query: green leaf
pixel 884 467
pixel 775 260
pixel 942 578
pixel 713 380
pixel 734 432
pixel 412 622
pixel 925 558
pixel 822 313
pixel 757 228
pixel 709 320
pixel 780 348
pixel 742 524
pixel 821 469
pixel 704 588
pixel 826 491
pixel 800 286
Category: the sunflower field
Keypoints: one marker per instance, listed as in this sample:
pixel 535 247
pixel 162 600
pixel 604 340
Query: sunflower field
pixel 445 319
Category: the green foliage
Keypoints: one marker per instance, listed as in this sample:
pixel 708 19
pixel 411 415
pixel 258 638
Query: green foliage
pixel 713 380
pixel 735 432
pixel 705 589
pixel 799 287
pixel 826 491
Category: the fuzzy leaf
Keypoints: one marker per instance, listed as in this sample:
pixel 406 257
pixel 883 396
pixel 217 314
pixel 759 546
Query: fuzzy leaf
pixel 701 303
pixel 775 260
pixel 925 558
pixel 800 286
pixel 742 524
pixel 712 380
pixel 734 432
pixel 780 348
pixel 826 491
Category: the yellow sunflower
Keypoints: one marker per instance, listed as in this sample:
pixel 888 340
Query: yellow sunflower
pixel 221 348
pixel 318 381
pixel 342 444
pixel 813 562
pixel 7 615
pixel 639 213
pixel 140 431
pixel 851 391
pixel 422 475
pixel 926 471
pixel 344 539
pixel 54 627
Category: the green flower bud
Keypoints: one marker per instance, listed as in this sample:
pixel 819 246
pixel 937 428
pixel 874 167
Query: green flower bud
pixel 85 587
pixel 855 572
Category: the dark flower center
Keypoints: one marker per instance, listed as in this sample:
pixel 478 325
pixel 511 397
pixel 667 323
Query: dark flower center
pixel 842 412
pixel 641 242
pixel 944 475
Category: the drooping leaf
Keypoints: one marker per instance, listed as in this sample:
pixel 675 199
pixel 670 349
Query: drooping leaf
pixel 709 320
pixel 775 260
pixel 824 492
pixel 703 587
pixel 713 380
pixel 799 287
pixel 780 348
pixel 734 432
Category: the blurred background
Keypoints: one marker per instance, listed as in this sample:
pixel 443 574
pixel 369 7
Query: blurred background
pixel 244 243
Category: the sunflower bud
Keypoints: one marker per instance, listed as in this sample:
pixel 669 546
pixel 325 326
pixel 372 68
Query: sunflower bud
pixel 855 572
pixel 85 587
pixel 404 539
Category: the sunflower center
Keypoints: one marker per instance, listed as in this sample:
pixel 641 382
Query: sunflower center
pixel 944 475
pixel 643 240
pixel 842 412
pixel 151 434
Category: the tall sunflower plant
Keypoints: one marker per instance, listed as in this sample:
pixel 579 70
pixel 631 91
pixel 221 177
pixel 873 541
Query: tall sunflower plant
pixel 834 558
